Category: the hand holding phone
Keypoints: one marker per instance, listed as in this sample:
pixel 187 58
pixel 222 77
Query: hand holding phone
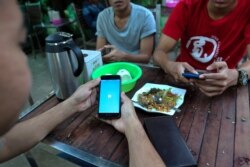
pixel 105 51
pixel 110 97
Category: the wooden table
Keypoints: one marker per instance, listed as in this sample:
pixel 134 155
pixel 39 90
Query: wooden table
pixel 217 129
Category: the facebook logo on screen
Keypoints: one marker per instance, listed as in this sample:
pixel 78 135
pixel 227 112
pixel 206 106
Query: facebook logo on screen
pixel 109 96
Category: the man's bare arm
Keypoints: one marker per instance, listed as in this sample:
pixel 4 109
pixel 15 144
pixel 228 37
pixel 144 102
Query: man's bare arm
pixel 166 44
pixel 100 43
pixel 146 49
pixel 26 134
pixel 141 151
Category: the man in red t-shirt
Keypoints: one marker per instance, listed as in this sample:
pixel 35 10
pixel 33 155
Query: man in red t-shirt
pixel 215 36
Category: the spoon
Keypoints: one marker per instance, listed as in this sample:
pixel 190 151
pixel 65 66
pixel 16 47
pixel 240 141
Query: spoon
pixel 158 100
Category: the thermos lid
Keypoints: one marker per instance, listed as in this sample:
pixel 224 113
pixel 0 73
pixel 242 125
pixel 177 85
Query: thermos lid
pixel 58 37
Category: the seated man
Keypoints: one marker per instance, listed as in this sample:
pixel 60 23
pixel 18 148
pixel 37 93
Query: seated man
pixel 128 30
pixel 215 36
pixel 15 83
pixel 90 11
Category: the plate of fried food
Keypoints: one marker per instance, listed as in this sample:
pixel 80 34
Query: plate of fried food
pixel 157 98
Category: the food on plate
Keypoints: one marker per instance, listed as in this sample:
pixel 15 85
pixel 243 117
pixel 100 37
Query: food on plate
pixel 159 99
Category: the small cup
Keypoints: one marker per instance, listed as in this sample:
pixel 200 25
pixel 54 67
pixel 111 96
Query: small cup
pixel 125 75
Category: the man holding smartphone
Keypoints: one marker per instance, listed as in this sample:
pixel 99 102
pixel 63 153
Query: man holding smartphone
pixel 15 83
pixel 215 37
pixel 128 30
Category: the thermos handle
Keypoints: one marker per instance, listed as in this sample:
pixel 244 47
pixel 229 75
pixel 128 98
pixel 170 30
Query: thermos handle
pixel 79 57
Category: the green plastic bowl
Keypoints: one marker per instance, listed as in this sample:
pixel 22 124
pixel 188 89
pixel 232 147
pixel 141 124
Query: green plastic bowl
pixel 112 68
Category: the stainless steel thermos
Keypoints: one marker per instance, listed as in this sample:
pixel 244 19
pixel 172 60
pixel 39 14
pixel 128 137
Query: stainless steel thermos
pixel 65 61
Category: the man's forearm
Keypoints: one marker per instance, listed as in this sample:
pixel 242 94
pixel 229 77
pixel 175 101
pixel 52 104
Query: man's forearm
pixel 141 151
pixel 137 58
pixel 28 133
pixel 161 59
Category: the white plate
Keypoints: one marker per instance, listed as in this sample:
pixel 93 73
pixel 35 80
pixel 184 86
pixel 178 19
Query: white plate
pixel 148 86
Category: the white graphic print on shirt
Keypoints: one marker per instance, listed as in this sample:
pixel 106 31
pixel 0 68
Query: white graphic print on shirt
pixel 203 49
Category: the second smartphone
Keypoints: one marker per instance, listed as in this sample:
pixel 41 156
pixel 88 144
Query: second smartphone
pixel 110 97
pixel 190 75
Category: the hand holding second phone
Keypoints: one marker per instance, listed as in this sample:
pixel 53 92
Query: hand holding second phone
pixel 176 69
pixel 84 97
pixel 215 83
pixel 114 55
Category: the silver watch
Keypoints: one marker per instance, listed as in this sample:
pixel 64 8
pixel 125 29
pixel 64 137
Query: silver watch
pixel 242 77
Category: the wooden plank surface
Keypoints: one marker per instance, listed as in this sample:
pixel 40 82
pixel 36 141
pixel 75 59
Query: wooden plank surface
pixel 217 130
pixel 200 109
pixel 64 132
pixel 211 133
pixel 120 155
pixel 242 132
pixel 115 141
pixel 225 150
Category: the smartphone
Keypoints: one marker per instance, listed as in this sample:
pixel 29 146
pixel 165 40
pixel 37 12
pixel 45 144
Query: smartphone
pixel 105 51
pixel 190 75
pixel 110 97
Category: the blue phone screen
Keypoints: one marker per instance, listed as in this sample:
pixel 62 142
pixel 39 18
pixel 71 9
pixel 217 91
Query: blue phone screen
pixel 109 96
